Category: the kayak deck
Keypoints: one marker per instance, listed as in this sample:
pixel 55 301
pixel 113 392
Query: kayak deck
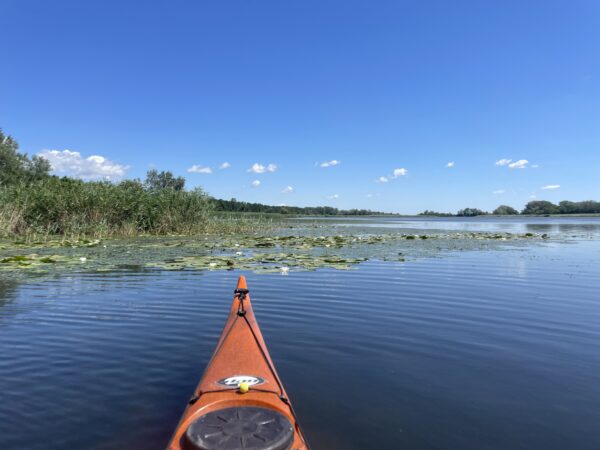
pixel 240 402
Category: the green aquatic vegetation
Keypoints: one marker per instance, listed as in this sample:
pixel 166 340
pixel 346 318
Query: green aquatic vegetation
pixel 81 243
pixel 52 208
pixel 258 262
pixel 54 243
pixel 307 248
pixel 16 258
pixel 35 263
pixel 47 260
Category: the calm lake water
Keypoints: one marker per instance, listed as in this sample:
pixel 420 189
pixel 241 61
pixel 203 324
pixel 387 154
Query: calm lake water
pixel 474 350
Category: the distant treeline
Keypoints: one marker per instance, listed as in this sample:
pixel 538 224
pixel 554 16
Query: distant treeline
pixel 564 207
pixel 234 205
pixel 536 207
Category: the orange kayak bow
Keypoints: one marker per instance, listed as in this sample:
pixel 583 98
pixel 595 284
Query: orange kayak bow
pixel 240 402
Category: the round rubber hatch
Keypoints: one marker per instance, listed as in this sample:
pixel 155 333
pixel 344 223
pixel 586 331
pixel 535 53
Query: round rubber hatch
pixel 248 428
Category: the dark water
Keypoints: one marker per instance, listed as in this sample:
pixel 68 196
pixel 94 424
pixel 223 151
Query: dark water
pixel 478 350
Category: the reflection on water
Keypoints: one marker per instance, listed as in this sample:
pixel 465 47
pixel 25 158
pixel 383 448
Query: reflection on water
pixel 579 227
pixel 7 290
pixel 7 295
pixel 494 350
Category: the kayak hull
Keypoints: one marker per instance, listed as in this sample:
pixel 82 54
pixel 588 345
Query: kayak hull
pixel 240 361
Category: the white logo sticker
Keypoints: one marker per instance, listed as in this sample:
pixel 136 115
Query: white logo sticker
pixel 236 380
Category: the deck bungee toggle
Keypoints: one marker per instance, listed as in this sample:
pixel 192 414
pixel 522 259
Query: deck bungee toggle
pixel 240 294
pixel 240 402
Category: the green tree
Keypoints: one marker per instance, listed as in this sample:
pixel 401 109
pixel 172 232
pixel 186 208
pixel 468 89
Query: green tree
pixel 17 167
pixel 470 212
pixel 585 207
pixel 427 212
pixel 163 180
pixel 540 207
pixel 505 210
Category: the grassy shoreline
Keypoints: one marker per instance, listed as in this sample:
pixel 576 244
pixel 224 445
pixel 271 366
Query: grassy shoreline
pixel 72 209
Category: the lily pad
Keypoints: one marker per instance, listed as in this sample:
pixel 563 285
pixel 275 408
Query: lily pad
pixel 286 250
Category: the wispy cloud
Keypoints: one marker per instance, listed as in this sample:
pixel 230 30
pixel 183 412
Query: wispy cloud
pixel 225 165
pixel 450 164
pixel 259 168
pixel 255 183
pixel 535 166
pixel 333 162
pixel 498 191
pixel 333 197
pixel 287 190
pixel 382 180
pixel 551 186
pixel 95 167
pixel 520 164
pixel 200 169
pixel 533 196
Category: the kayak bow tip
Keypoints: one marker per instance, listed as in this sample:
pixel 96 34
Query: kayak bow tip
pixel 242 282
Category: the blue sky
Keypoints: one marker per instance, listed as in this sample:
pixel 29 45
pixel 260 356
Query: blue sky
pixel 376 86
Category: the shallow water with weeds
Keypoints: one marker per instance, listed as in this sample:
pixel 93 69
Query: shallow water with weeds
pixel 294 247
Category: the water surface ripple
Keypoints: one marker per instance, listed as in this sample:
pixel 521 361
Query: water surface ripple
pixel 479 350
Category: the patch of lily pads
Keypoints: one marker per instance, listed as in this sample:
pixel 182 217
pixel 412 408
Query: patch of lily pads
pixel 52 243
pixel 258 262
pixel 279 252
pixel 36 262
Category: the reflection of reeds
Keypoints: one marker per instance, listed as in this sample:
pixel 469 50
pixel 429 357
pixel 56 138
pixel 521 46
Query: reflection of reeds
pixel 72 208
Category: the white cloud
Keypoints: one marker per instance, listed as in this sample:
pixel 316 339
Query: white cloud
pixel 450 164
pixel 333 162
pixel 396 174
pixel 369 195
pixel 255 183
pixel 225 165
pixel 499 191
pixel 259 168
pixel 533 196
pixel 520 164
pixel 287 190
pixel 400 172
pixel 535 166
pixel 73 164
pixel 551 186
pixel 333 197
pixel 199 169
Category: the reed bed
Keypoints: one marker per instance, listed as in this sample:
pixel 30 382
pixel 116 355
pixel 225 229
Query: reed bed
pixel 74 209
